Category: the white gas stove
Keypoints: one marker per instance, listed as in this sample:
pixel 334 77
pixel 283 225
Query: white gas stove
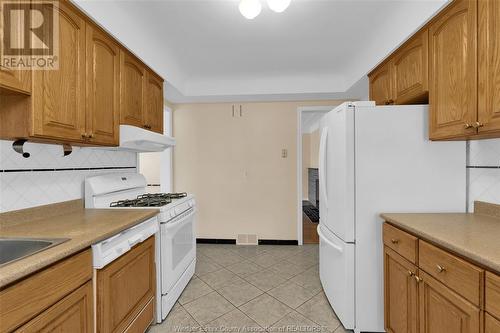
pixel 175 241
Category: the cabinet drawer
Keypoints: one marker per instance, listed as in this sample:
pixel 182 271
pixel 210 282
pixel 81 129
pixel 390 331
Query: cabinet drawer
pixel 26 299
pixel 493 294
pixel 491 325
pixel 401 242
pixel 143 320
pixel 457 274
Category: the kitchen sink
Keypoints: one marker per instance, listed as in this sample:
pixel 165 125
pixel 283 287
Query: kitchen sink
pixel 12 249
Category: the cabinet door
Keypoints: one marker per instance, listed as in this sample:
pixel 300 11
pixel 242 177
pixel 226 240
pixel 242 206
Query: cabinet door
pixel 133 82
pixel 400 294
pixel 59 95
pixel 441 310
pixel 103 87
pixel 453 74
pixel 154 103
pixel 15 80
pixel 72 314
pixel 125 287
pixel 381 85
pixel 491 324
pixel 410 71
pixel 489 66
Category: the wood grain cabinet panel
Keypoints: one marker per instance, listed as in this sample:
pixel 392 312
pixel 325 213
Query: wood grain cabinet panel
pixel 402 242
pixel 401 294
pixel 410 71
pixel 453 78
pixel 103 88
pixel 153 114
pixel 491 324
pixel 59 95
pixel 492 298
pixel 132 97
pixel 489 66
pixel 74 314
pixel 441 310
pixel 14 81
pixel 381 90
pixel 125 287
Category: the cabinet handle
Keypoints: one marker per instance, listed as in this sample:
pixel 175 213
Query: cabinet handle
pixel 389 102
pixel 440 268
pixel 418 279
pixel 84 135
pixel 477 124
pixel 241 112
pixel 467 126
pixel 91 135
pixel 410 273
pixel 394 241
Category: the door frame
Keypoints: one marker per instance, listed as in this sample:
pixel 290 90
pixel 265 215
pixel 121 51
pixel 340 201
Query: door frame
pixel 300 110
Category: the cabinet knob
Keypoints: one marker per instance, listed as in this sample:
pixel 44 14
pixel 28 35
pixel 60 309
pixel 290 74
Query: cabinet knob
pixel 440 268
pixel 84 135
pixel 394 241
pixel 389 102
pixel 418 279
pixel 467 126
pixel 478 124
pixel 91 135
pixel 410 273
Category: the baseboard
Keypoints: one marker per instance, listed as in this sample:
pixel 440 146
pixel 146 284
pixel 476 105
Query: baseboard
pixel 278 242
pixel 215 241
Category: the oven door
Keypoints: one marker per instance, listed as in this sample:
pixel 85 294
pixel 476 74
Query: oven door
pixel 178 248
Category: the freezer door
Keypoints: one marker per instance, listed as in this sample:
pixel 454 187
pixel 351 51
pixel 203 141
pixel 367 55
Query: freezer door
pixel 336 272
pixel 336 173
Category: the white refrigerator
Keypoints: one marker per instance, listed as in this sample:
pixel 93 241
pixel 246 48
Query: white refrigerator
pixel 376 159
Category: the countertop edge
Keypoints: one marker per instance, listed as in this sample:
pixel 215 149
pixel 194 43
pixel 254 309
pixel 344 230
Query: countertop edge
pixel 46 261
pixel 478 260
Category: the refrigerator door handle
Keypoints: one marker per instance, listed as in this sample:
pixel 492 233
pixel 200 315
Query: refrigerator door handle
pixel 327 241
pixel 322 164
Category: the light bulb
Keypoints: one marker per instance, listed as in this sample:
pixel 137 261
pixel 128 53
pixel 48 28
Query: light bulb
pixel 278 6
pixel 250 8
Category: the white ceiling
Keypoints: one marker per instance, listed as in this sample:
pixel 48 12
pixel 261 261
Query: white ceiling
pixel 207 51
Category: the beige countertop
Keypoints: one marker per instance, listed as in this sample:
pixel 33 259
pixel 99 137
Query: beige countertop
pixel 473 236
pixel 84 227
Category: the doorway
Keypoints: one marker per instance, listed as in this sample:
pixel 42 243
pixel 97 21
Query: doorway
pixel 308 135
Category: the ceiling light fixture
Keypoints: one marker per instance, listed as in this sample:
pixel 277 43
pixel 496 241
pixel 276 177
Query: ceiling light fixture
pixel 250 8
pixel 278 6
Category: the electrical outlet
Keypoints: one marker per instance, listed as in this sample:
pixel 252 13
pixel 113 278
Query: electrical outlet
pixel 284 153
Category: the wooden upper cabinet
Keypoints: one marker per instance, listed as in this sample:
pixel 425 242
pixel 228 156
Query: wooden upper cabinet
pixel 103 88
pixel 410 71
pixel 15 81
pixel 489 66
pixel 132 97
pixel 453 79
pixel 153 115
pixel 400 294
pixel 59 95
pixel 381 85
pixel 441 310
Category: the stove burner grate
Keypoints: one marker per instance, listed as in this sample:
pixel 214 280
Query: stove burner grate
pixel 149 200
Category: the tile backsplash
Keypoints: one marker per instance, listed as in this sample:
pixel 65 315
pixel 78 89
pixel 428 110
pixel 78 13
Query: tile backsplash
pixel 48 177
pixel 483 171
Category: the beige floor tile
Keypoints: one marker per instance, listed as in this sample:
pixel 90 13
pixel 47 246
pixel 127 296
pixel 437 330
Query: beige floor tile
pixel 240 292
pixel 227 258
pixel 318 309
pixel 233 322
pixel 291 294
pixel 177 321
pixel 204 265
pixel 265 310
pixel 195 289
pixel 248 251
pixel 208 307
pixel 266 260
pixel 287 270
pixel 295 323
pixel 220 279
pixel 265 280
pixel 309 280
pixel 244 268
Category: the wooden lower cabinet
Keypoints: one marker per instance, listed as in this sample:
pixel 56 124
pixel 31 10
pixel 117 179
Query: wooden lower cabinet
pixel 400 294
pixel 74 314
pixel 442 310
pixel 491 324
pixel 125 289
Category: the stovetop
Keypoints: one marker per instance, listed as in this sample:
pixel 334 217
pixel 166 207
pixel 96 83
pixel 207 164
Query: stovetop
pixel 149 200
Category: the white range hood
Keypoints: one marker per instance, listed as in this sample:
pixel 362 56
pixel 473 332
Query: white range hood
pixel 137 139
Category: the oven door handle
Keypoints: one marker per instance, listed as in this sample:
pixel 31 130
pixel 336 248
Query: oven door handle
pixel 180 219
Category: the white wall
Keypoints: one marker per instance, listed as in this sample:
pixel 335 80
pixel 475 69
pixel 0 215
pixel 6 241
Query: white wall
pixel 48 177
